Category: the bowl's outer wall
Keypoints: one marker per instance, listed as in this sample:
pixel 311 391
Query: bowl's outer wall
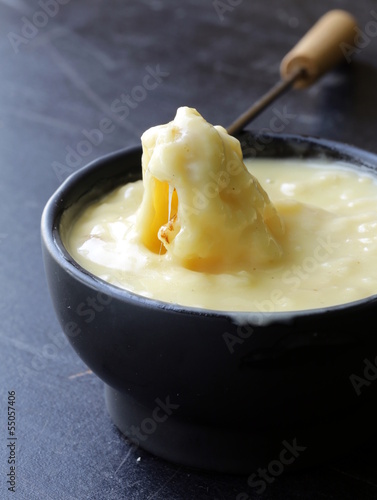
pixel 155 352
pixel 297 366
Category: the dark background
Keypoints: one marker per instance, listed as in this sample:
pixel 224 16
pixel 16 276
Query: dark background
pixel 62 79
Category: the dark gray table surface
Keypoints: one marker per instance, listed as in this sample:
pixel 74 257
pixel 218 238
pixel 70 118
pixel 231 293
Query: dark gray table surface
pixel 65 66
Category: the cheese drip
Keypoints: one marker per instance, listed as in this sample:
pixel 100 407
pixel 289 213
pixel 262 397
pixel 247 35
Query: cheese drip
pixel 201 205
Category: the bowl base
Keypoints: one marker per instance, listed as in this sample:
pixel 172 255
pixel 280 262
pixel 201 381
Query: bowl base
pixel 231 450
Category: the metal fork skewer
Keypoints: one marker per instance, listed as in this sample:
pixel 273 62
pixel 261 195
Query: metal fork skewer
pixel 276 91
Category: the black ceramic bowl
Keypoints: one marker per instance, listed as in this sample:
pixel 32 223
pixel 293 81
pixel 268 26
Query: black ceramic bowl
pixel 287 391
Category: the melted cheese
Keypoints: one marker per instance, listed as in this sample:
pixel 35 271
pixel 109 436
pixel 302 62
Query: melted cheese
pixel 220 216
pixel 311 243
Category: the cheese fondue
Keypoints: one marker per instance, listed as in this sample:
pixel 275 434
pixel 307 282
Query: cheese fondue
pixel 200 230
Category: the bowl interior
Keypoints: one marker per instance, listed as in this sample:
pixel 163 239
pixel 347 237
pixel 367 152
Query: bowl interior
pixel 124 166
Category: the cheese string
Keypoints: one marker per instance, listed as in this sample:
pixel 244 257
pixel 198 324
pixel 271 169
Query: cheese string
pixel 171 191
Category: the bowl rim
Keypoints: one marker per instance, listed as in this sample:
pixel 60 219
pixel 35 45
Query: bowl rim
pixel 53 244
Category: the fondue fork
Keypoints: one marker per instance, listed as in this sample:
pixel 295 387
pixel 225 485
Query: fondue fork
pixel 322 48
